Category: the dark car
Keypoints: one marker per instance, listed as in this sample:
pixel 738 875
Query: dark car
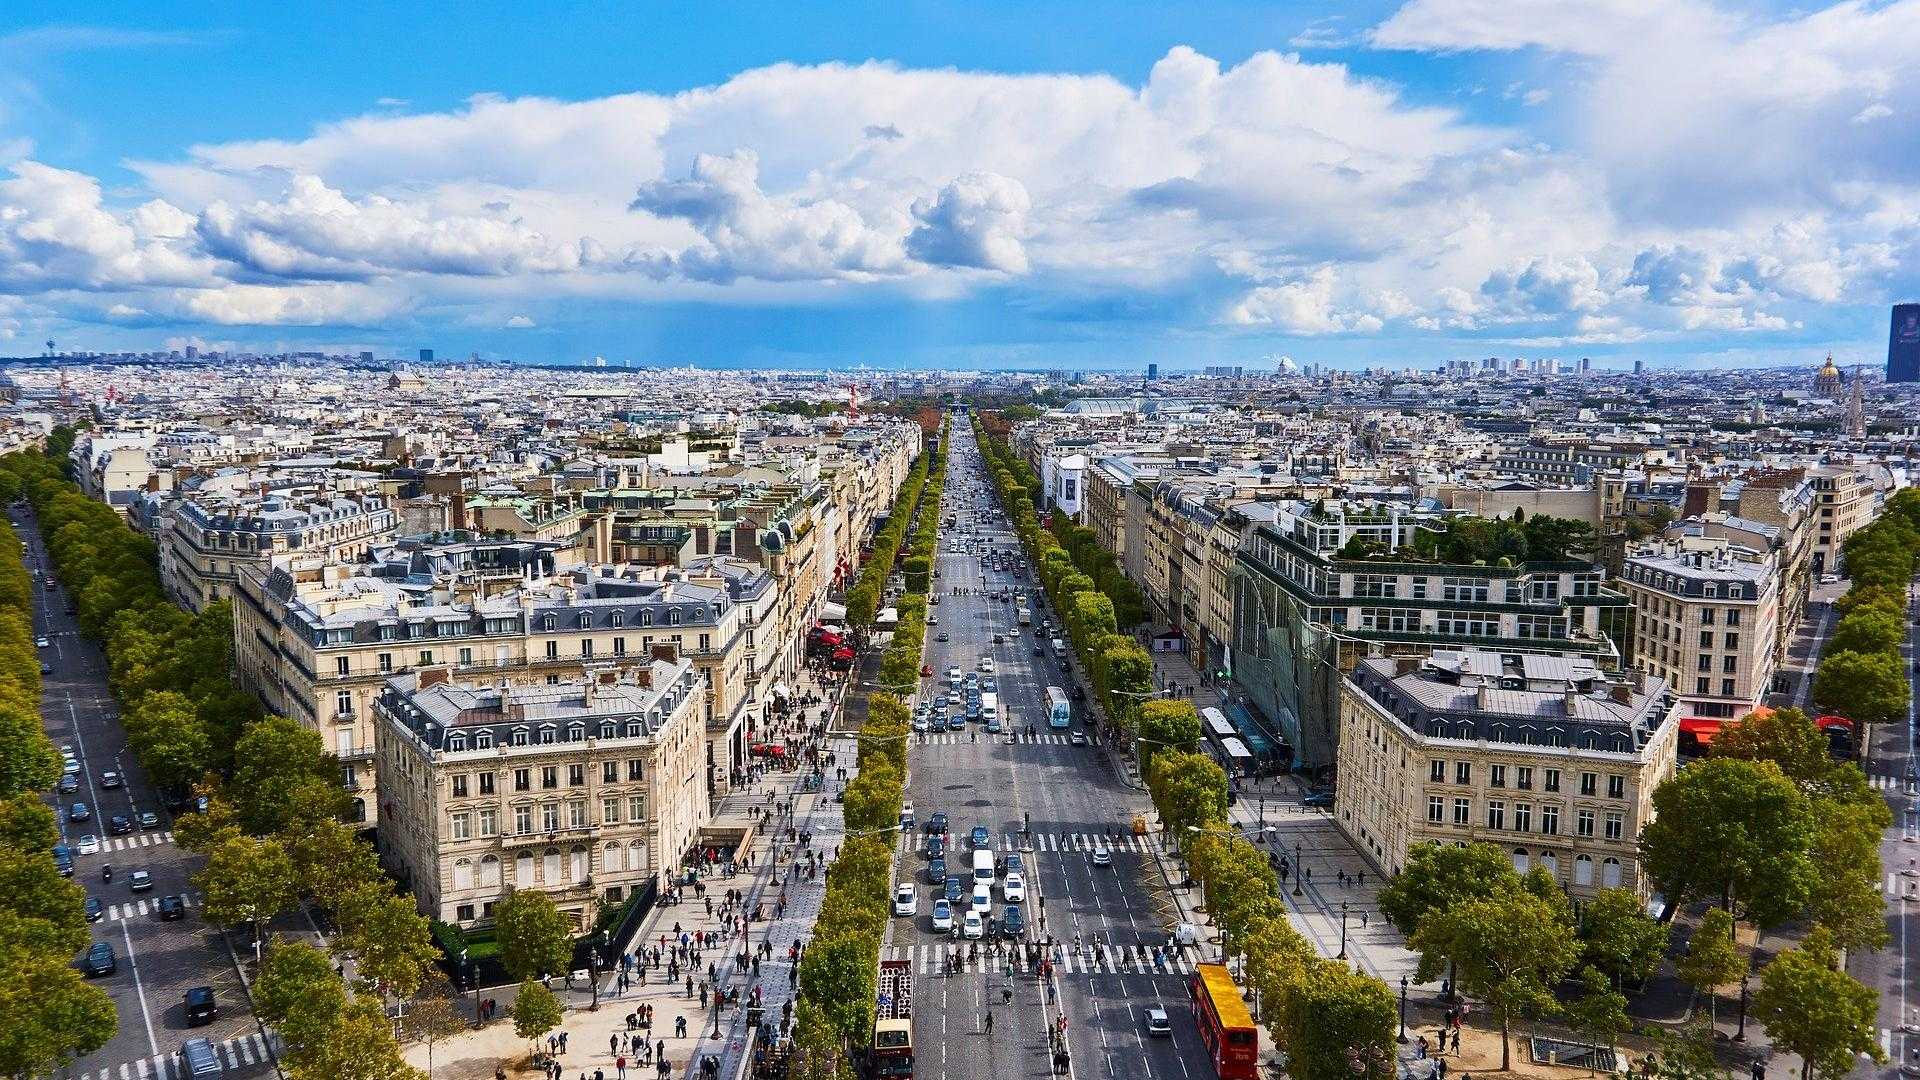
pixel 936 846
pixel 1014 922
pixel 63 859
pixel 100 960
pixel 979 837
pixel 936 870
pixel 79 812
pixel 148 819
pixel 93 909
pixel 119 824
pixel 201 1008
pixel 937 823
pixel 1318 800
pixel 173 908
pixel 69 784
pixel 954 887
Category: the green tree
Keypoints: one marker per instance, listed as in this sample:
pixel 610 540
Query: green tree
pixel 1508 949
pixel 298 993
pixel 536 1010
pixel 1786 737
pixel 1278 959
pixel 172 744
pixel 1867 688
pixel 283 778
pixel 360 1045
pixel 1163 725
pixel 839 974
pixel 1621 938
pixel 1600 1012
pixel 1340 1026
pixel 246 881
pixel 1712 960
pixel 1188 790
pixel 1437 876
pixel 433 1016
pixel 391 943
pixel 1869 630
pixel 39 909
pixel 28 759
pixel 50 1014
pixel 535 941
pixel 26 824
pixel 1732 831
pixel 1814 1010
pixel 332 862
pixel 1845 897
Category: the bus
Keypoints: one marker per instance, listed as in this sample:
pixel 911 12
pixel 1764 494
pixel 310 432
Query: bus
pixel 1234 757
pixel 1059 708
pixel 1226 1026
pixel 1216 726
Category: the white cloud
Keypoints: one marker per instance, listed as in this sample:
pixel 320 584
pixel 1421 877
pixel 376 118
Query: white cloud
pixel 1591 27
pixel 1305 307
pixel 976 221
pixel 1868 115
pixel 289 305
pixel 519 322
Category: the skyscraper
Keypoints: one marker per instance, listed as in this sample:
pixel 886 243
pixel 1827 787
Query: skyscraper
pixel 1903 344
pixel 426 356
pixel 1153 372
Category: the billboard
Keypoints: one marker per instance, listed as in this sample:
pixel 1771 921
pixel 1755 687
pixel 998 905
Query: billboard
pixel 1903 344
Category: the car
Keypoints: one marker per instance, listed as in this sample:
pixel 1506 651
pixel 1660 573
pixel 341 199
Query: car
pixel 953 890
pixel 953 697
pixel 906 816
pixel 140 881
pixel 936 846
pixel 86 844
pixel 63 859
pixel 979 837
pixel 100 960
pixel 79 812
pixel 1066 666
pixel 1013 631
pixel 41 641
pixel 200 1005
pixel 953 676
pixel 972 926
pixel 986 665
pixel 110 779
pixel 119 824
pixel 973 679
pixel 906 902
pixel 1102 854
pixel 1013 922
pixel 936 870
pixel 942 916
pixel 1157 1023
pixel 173 907
pixel 46 669
pixel 1014 888
pixel 994 727
pixel 989 685
pixel 932 619
pixel 999 639
pixel 919 724
pixel 937 822
pixel 982 900
pixel 69 783
pixel 1318 800
pixel 1013 863
pixel 93 908
pixel 956 722
pixel 1078 738
pixel 942 636
pixel 1039 650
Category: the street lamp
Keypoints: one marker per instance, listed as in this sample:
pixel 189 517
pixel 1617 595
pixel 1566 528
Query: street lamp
pixel 1402 1037
pixel 1741 1035
pixel 1299 869
pixel 473 982
pixel 1343 931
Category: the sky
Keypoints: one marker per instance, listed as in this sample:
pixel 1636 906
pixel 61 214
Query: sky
pixel 1085 185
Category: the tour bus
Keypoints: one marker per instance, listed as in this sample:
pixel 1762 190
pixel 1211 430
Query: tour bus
pixel 1059 708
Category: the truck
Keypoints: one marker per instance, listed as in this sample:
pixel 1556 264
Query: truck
pixel 890 1056
pixel 1025 615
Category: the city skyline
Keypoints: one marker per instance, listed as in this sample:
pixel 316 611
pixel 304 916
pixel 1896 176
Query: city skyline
pixel 1401 185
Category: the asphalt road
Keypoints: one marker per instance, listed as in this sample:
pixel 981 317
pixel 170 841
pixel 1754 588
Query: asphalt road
pixel 158 960
pixel 1068 796
pixel 1891 971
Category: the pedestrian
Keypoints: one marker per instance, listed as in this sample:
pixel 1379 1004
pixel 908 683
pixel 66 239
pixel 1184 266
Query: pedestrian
pixel 679 1027
pixel 1420 1048
pixel 613 1044
pixel 621 1065
pixel 563 1042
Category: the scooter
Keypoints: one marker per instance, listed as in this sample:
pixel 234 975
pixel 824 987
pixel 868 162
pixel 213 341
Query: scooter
pixel 106 873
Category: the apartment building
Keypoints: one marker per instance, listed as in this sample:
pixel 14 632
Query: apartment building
pixel 1844 499
pixel 587 789
pixel 1550 758
pixel 1705 620
pixel 207 540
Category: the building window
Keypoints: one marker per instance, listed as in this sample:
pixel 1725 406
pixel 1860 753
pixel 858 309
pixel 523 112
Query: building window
pixel 1550 820
pixel 384 661
pixel 553 650
pixel 1437 771
pixel 586 646
pixel 486 783
pixel 609 811
pixel 1462 811
pixel 576 776
pixel 1497 775
pixel 1583 823
pixel 576 813
pixel 609 771
pixel 1706 639
pixel 343 704
pixel 549 817
pixel 1589 784
pixel 619 646
pixel 1523 777
pixel 1703 685
pixel 459 785
pixel 1522 817
pixel 1616 824
pixel 461 827
pixel 1733 616
pixel 1552 780
pixel 1436 809
pixel 342 665
pixel 522 820
pixel 426 657
pixel 1496 814
pixel 1726 687
pixel 489 822
pixel 519 737
pixel 1616 787
pixel 636 808
pixel 549 777
pixel 636 768
pixel 523 779
pixel 1463 772
pixel 1610 873
pixel 706 642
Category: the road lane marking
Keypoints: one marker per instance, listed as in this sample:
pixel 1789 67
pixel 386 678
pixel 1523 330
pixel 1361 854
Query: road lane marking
pixel 139 989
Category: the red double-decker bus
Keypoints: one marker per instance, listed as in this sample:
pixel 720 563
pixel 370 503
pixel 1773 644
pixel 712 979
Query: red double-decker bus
pixel 1226 1027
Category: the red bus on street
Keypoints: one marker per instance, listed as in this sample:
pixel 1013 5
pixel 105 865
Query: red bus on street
pixel 1226 1027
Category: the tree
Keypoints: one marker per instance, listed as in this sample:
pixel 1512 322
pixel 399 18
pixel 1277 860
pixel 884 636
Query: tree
pixel 1712 960
pixel 1873 629
pixel 1846 898
pixel 246 881
pixel 1508 949
pixel 1867 688
pixel 49 1013
pixel 359 1045
pixel 26 824
pixel 39 909
pixel 1340 1025
pixel 1188 790
pixel 1600 1012
pixel 331 862
pixel 536 1010
pixel 1812 1009
pixel 1732 831
pixel 1621 939
pixel 535 941
pixel 298 993
pixel 839 974
pixel 390 941
pixel 1278 958
pixel 166 733
pixel 283 778
pixel 1162 725
pixel 28 759
pixel 1785 737
pixel 1437 876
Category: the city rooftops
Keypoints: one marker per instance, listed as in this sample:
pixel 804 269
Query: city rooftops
pixel 1523 698
pixel 634 701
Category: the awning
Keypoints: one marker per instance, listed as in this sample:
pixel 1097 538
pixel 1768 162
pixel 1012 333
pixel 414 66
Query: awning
pixel 832 612
pixel 780 690
pixel 1703 728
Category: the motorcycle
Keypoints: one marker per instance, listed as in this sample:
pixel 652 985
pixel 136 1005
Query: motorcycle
pixel 106 873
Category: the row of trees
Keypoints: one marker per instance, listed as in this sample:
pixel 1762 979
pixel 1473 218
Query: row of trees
pixel 1121 671
pixel 863 598
pixel 1091 558
pixel 1861 675
pixel 274 833
pixel 838 975
pixel 50 1014
pixel 1332 1022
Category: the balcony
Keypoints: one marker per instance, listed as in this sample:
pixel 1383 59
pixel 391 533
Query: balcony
pixel 540 838
pixel 357 753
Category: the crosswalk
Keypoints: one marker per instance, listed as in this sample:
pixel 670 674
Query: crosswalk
pixel 930 959
pixel 1887 782
pixel 237 1055
pixel 142 908
pixel 978 734
pixel 1046 841
pixel 135 840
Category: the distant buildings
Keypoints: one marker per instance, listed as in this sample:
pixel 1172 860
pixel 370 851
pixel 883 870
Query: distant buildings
pixel 1903 344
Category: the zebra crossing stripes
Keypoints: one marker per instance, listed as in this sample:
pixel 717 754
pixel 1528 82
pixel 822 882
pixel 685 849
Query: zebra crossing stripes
pixel 136 840
pixel 948 738
pixel 142 908
pixel 240 1054
pixel 1041 841
pixel 1886 782
pixel 930 959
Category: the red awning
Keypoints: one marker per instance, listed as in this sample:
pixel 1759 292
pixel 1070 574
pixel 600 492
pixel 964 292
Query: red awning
pixel 1703 728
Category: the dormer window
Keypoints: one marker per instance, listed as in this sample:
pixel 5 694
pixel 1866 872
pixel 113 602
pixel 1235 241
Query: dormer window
pixel 483 740
pixel 548 622
pixel 547 733
pixel 607 729
pixel 646 618
pixel 618 619
pixel 519 737
pixel 634 729
pixel 586 620
pixel 576 732
pixel 456 741
pixel 673 616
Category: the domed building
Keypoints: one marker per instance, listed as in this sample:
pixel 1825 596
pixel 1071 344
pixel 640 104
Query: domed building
pixel 1827 381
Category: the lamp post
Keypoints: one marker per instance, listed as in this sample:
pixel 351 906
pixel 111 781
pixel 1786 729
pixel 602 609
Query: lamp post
pixel 1343 931
pixel 1741 1035
pixel 1299 869
pixel 1402 1037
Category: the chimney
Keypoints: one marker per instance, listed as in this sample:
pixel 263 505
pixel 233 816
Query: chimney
pixel 1405 664
pixel 431 676
pixel 1621 693
pixel 1480 696
pixel 1568 694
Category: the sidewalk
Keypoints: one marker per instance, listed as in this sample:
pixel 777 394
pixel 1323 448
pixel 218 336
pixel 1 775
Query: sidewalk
pixel 594 1038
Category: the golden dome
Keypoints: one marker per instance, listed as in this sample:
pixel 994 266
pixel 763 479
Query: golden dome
pixel 1829 370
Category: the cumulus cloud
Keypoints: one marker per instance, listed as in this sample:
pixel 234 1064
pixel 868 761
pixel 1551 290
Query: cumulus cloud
pixel 976 221
pixel 1304 307
pixel 55 233
pixel 1550 287
pixel 337 304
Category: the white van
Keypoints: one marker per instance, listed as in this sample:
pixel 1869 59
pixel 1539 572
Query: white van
pixel 983 867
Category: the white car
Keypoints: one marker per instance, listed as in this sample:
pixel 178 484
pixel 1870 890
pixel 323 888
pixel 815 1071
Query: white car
pixel 943 916
pixel 87 844
pixel 933 620
pixel 953 676
pixel 972 925
pixel 906 902
pixel 982 899
pixel 1102 855
pixel 986 665
pixel 42 642
pixel 1014 888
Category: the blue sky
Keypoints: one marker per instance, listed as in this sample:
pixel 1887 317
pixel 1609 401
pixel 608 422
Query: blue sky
pixel 1091 185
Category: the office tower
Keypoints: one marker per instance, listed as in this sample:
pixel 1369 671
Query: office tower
pixel 1586 365
pixel 426 356
pixel 1153 372
pixel 1903 344
pixel 1639 367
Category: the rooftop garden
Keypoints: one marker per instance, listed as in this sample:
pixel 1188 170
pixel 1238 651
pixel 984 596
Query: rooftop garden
pixel 1467 541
